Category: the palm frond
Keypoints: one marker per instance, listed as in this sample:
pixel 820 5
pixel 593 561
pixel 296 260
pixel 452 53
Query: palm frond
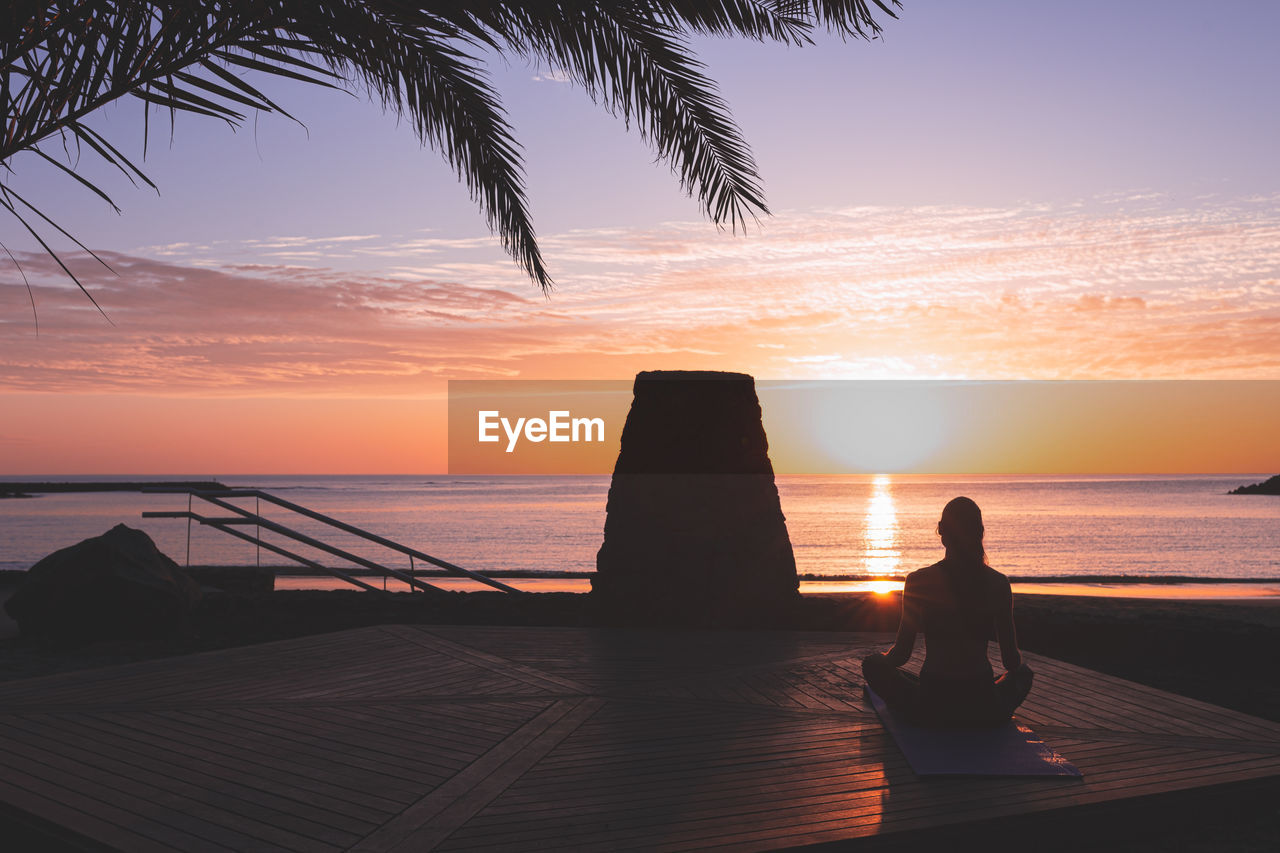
pixel 777 21
pixel 35 316
pixel 409 63
pixel 64 60
pixel 642 69
pixel 851 17
pixel 7 199
pixel 467 124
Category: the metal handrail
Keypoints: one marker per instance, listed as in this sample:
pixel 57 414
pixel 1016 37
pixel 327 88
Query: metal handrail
pixel 220 498
pixel 222 524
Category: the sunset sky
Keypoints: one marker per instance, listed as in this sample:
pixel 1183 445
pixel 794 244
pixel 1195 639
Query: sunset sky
pixel 995 190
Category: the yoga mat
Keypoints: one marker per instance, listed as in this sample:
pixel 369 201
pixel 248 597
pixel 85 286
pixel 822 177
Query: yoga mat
pixel 1008 750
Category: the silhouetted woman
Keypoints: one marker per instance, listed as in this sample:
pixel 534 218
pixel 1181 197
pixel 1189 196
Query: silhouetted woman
pixel 956 603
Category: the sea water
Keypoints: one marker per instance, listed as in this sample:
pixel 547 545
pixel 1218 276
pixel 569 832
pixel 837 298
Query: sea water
pixel 1080 527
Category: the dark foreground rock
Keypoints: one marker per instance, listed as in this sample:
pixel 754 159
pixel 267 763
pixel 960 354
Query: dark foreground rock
pixel 1266 487
pixel 117 585
pixel 694 532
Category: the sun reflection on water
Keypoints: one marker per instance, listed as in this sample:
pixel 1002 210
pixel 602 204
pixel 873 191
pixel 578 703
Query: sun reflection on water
pixel 881 556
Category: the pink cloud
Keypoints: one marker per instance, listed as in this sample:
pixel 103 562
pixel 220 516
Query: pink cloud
pixel 1147 292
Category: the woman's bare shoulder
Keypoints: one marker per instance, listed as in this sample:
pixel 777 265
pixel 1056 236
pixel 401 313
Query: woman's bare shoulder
pixel 998 584
pixel 996 576
pixel 926 578
pixel 928 572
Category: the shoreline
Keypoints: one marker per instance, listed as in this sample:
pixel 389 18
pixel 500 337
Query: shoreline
pixel 1263 591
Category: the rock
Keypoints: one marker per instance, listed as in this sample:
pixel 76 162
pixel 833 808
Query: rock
pixel 117 585
pixel 694 532
pixel 1267 487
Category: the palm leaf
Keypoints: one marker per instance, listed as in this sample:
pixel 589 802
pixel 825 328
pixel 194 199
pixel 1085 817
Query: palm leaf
pixel 642 69
pixel 7 196
pixel 35 316
pixel 65 60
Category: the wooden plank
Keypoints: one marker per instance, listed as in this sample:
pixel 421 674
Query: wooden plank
pixel 508 668
pixel 1270 747
pixel 306 786
pixel 694 750
pixel 1191 715
pixel 431 819
pixel 326 730
pixel 305 751
pixel 764 792
pixel 466 736
pixel 463 731
pixel 739 821
pixel 1092 704
pixel 528 808
pixel 714 795
pixel 412 757
pixel 149 810
pixel 220 667
pixel 49 803
pixel 961 802
pixel 255 799
pixel 231 747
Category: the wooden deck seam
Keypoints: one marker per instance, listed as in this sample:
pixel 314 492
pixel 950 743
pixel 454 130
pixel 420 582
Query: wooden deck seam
pixel 427 638
pixel 429 820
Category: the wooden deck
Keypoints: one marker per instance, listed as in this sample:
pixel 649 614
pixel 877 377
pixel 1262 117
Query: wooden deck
pixel 414 738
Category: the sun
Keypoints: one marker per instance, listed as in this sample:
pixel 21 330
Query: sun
pixel 871 427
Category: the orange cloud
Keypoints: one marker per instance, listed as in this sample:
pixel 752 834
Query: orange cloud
pixel 1105 289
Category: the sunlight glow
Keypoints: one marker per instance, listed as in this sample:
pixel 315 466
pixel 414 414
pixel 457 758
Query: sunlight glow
pixel 895 428
pixel 826 587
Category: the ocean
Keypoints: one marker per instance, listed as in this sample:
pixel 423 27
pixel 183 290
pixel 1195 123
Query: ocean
pixel 1079 528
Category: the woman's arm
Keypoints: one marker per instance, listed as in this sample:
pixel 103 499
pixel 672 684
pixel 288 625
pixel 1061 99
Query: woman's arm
pixel 1006 634
pixel 908 627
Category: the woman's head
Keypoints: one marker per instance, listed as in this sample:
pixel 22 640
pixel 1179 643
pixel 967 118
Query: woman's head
pixel 961 529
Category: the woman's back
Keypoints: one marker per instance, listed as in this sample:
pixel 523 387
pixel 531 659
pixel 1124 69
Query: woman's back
pixel 956 604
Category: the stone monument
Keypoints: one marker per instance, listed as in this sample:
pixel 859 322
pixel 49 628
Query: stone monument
pixel 694 532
